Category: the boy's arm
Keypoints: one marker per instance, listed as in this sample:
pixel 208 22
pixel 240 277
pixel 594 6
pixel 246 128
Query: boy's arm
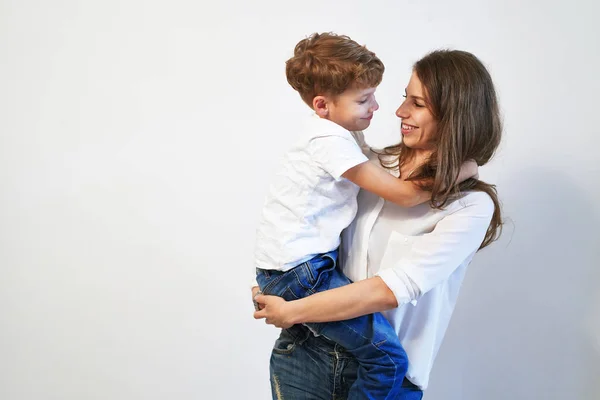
pixel 376 180
pixel 468 170
pixel 404 193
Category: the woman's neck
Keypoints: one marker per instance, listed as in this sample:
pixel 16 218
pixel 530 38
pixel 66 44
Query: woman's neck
pixel 417 158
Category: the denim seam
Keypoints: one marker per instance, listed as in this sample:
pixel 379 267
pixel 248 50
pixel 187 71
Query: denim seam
pixel 307 268
pixel 272 283
pixel 335 369
pixel 310 290
pixel 332 260
pixel 378 349
pixel 285 351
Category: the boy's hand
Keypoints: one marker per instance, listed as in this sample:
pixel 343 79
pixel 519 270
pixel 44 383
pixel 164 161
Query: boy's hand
pixel 468 170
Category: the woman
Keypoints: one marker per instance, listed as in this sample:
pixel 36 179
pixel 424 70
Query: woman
pixel 406 262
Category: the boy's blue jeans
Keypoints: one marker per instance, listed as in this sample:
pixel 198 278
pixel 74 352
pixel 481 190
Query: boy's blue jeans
pixel 382 362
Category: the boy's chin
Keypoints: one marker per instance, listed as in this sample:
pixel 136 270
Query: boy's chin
pixel 363 125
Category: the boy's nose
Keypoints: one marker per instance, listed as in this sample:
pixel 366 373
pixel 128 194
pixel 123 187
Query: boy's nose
pixel 375 106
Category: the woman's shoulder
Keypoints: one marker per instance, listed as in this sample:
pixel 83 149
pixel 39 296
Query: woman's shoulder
pixel 476 201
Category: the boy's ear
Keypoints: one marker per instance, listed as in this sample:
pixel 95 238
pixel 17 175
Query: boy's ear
pixel 320 105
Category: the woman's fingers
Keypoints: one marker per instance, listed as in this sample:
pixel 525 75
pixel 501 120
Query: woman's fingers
pixel 260 314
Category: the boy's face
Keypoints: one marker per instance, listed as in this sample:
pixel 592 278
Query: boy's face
pixel 352 110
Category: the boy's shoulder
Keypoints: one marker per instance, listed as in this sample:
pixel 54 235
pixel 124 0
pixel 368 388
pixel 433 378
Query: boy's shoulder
pixel 359 136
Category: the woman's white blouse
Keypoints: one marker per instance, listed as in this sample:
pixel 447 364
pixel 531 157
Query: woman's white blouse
pixel 422 255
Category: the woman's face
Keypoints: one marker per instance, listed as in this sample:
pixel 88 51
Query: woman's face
pixel 418 124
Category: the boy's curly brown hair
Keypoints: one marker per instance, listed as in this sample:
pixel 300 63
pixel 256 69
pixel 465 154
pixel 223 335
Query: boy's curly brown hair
pixel 328 64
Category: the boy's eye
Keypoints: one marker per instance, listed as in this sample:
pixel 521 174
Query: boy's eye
pixel 362 101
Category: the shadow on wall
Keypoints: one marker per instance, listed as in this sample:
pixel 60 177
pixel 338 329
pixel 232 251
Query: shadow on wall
pixel 527 323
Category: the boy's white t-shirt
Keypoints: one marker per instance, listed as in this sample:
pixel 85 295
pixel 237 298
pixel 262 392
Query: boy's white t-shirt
pixel 309 203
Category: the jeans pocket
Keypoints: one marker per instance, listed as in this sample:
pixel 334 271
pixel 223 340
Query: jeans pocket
pixel 268 279
pixel 285 343
pixel 313 273
pixel 289 295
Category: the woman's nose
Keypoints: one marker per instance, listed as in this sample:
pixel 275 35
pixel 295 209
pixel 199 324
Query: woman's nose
pixel 401 112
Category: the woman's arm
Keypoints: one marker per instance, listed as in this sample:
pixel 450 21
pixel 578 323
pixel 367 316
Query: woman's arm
pixel 350 301
pixel 432 258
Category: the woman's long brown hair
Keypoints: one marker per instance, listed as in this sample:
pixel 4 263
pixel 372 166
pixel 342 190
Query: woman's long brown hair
pixel 460 94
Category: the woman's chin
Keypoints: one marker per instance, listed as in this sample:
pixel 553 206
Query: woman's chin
pixel 407 142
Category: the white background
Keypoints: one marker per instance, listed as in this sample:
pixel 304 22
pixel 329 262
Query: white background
pixel 137 139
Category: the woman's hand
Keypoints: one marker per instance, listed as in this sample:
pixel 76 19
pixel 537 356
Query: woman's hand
pixel 346 302
pixel 274 310
pixel 256 291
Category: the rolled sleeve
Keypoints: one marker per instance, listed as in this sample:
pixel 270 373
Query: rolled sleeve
pixel 433 257
pixel 404 289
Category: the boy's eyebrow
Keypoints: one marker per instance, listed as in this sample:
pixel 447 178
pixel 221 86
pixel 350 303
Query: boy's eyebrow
pixel 368 91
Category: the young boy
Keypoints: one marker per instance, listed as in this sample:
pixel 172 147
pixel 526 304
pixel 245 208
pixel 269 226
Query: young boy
pixel 313 198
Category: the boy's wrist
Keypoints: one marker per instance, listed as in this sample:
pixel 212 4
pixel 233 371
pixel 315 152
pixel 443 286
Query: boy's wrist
pixel 468 170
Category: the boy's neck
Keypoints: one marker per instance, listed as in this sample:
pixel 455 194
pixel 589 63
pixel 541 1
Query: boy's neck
pixel 328 119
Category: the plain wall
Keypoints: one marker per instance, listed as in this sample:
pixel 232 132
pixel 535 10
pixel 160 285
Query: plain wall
pixel 137 140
